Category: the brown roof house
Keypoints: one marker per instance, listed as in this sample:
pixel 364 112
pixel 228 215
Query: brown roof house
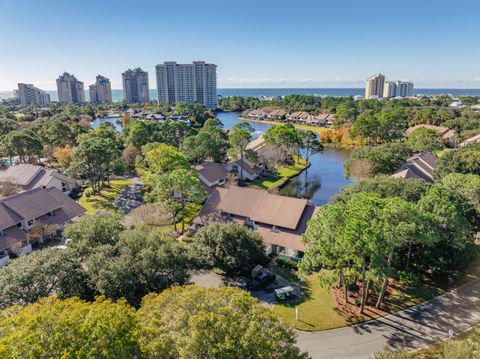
pixel 420 166
pixel 280 220
pixel 449 137
pixel 28 176
pixel 32 209
pixel 212 174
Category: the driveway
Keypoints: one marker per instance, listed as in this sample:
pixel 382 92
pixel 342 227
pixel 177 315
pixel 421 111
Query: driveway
pixel 409 329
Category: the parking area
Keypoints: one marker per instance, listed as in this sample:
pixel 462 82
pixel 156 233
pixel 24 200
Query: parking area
pixel 265 294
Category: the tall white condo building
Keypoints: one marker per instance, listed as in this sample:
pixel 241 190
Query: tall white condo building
pixel 101 90
pixel 28 94
pixel 135 86
pixel 374 86
pixel 191 83
pixel 69 89
pixel 398 89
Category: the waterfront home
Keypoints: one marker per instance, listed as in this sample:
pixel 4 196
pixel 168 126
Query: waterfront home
pixel 276 114
pixel 211 174
pixel 27 176
pixel 254 114
pixel 40 211
pixel 250 172
pixel 419 166
pixel 474 139
pixel 279 220
pixel 299 117
pixel 448 136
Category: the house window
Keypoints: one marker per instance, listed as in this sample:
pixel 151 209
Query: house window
pixel 50 214
pixel 64 187
pixel 275 229
pixel 221 181
pixel 2 234
pixel 19 225
pixel 30 222
pixel 231 216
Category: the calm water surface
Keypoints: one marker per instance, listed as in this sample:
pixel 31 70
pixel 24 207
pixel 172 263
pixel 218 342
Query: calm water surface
pixel 323 179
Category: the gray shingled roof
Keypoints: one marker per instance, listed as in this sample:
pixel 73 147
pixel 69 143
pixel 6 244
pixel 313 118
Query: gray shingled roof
pixel 32 204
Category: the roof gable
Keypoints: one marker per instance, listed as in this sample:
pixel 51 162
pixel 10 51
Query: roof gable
pixel 32 204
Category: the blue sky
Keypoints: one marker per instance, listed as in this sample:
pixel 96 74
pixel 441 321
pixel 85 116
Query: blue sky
pixel 268 43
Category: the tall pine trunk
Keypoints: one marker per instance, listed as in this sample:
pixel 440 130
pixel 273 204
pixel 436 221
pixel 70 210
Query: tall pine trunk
pixel 363 291
pixel 183 216
pixel 383 291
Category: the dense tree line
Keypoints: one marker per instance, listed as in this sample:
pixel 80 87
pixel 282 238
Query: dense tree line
pixel 382 228
pixel 106 258
pixel 182 322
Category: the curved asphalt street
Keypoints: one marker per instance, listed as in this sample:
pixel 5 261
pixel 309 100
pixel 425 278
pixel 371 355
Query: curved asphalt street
pixel 409 329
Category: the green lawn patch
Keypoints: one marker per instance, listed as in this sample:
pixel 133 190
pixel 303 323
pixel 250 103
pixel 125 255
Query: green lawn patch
pixel 282 174
pixel 317 310
pixel 316 129
pixel 104 200
pixel 191 211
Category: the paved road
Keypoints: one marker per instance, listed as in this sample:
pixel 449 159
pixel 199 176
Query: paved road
pixel 410 329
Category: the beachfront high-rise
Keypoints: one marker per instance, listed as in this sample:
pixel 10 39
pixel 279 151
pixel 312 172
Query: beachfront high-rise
pixel 101 90
pixel 28 94
pixel 69 89
pixel 374 86
pixel 398 89
pixel 191 83
pixel 135 86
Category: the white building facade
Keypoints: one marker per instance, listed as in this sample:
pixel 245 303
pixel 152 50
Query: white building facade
pixel 398 89
pixel 28 94
pixel 191 83
pixel 69 89
pixel 374 86
pixel 101 90
pixel 135 86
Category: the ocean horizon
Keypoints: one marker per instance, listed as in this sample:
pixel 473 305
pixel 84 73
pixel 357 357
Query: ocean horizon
pixel 117 94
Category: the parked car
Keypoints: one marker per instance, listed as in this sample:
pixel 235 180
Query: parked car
pixel 284 293
pixel 261 279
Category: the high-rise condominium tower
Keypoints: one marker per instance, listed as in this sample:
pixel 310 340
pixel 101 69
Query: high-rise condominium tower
pixel 135 86
pixel 398 89
pixel 192 83
pixel 101 90
pixel 27 93
pixel 70 90
pixel 374 86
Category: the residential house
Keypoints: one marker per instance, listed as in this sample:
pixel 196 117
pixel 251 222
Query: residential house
pixel 419 166
pixel 180 118
pixel 28 176
pixel 299 116
pixel 449 137
pixel 212 174
pixel 249 173
pixel 279 220
pixel 254 114
pixel 37 207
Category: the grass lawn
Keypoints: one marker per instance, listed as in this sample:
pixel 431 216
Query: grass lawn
pixel 104 200
pixel 191 211
pixel 282 175
pixel 316 129
pixel 317 311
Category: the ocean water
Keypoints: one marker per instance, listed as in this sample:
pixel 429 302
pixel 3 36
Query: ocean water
pixel 117 94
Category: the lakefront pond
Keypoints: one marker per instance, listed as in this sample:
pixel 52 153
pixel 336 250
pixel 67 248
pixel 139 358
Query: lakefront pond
pixel 321 181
